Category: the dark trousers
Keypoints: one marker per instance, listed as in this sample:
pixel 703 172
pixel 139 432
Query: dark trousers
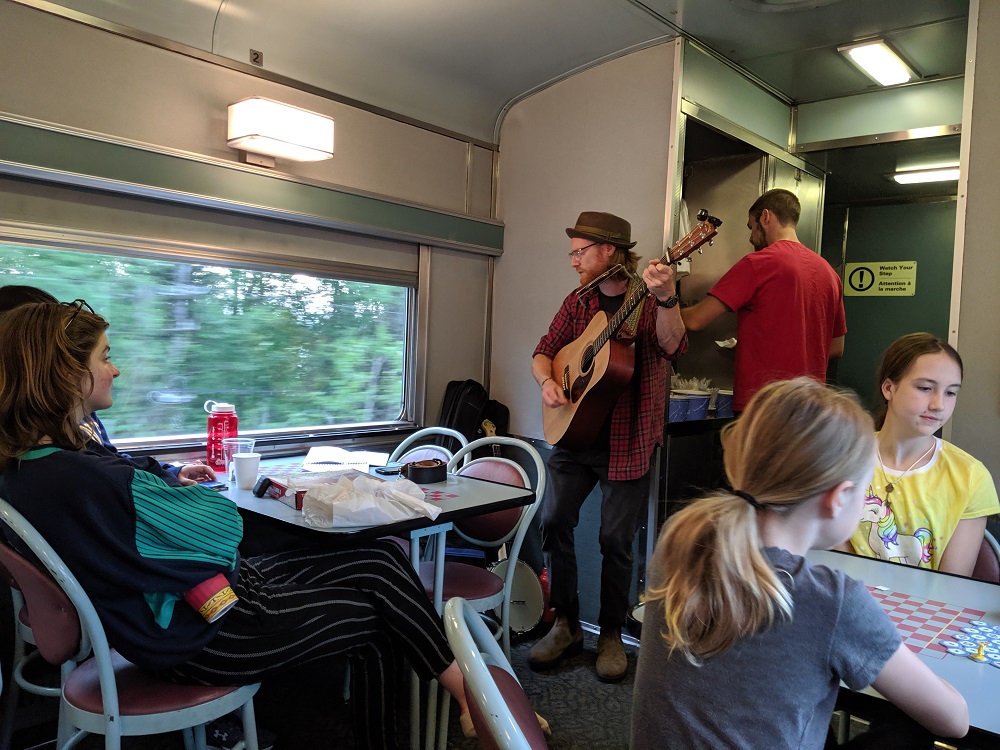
pixel 308 607
pixel 571 477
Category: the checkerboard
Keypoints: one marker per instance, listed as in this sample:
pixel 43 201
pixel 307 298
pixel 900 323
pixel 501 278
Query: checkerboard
pixel 927 625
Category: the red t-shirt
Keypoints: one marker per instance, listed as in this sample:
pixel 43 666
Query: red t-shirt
pixel 789 304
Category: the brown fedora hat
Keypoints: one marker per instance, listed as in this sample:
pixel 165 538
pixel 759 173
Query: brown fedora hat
pixel 602 227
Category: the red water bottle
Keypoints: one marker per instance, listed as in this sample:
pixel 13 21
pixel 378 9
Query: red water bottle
pixel 222 423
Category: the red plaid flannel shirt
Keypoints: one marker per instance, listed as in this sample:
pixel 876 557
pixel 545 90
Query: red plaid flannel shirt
pixel 637 419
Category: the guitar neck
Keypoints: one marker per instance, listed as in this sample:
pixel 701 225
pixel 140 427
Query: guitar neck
pixel 671 257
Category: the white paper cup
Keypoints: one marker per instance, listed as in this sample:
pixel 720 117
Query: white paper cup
pixel 232 446
pixel 246 467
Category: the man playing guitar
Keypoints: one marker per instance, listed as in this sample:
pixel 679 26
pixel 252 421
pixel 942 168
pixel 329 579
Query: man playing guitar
pixel 619 456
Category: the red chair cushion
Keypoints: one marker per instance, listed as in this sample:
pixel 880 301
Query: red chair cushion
pixel 491 527
pixel 987 565
pixel 54 622
pixel 424 453
pixel 519 706
pixel 467 581
pixel 139 693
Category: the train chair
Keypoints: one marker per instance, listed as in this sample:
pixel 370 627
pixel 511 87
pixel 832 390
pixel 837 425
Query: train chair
pixel 988 563
pixel 483 589
pixel 404 453
pixel 105 694
pixel 501 713
pixel 22 657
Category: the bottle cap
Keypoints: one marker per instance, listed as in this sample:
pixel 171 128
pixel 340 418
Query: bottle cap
pixel 219 406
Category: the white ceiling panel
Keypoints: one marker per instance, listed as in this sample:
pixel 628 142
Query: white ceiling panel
pixel 457 64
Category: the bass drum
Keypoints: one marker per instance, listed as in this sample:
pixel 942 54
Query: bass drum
pixel 527 602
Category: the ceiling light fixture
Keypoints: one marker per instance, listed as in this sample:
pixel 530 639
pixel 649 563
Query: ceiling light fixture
pixel 263 126
pixel 917 175
pixel 879 62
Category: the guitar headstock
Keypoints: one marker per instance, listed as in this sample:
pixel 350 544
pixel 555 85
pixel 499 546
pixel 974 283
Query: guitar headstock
pixel 706 228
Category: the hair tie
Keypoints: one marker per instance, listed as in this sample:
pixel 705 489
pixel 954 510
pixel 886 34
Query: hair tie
pixel 749 498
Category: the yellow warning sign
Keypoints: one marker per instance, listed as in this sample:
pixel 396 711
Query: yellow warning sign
pixel 895 279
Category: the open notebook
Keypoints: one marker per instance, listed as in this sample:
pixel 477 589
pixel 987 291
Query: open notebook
pixel 328 457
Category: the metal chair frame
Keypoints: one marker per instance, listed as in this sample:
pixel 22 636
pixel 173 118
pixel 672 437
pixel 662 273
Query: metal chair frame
pixel 516 536
pixel 475 651
pixel 76 723
pixel 400 452
pixel 21 659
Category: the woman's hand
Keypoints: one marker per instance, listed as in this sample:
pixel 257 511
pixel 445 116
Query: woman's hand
pixel 195 474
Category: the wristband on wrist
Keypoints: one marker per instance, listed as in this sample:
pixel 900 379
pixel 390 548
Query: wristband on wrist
pixel 546 381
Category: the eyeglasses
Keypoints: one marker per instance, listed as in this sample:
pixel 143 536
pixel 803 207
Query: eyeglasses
pixel 79 304
pixel 579 253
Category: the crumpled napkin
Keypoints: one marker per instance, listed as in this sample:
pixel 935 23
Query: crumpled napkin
pixel 363 500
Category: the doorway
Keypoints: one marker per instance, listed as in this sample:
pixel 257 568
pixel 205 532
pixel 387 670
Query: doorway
pixel 868 218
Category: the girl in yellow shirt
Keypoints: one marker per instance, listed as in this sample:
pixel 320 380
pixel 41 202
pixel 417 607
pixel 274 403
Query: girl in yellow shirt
pixel 928 501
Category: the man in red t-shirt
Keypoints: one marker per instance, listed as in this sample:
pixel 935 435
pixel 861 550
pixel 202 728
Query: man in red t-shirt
pixel 788 300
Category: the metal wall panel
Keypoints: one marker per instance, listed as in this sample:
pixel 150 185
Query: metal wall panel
pixel 920 106
pixel 710 84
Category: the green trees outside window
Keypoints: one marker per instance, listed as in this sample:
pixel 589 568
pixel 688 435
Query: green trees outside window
pixel 290 350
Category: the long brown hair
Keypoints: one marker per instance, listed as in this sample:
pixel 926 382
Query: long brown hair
pixel 796 440
pixel 899 358
pixel 45 353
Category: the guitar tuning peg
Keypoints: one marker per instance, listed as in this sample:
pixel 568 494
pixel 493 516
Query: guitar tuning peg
pixel 711 243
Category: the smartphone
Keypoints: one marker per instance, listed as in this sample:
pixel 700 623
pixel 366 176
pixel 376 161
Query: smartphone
pixel 389 469
pixel 217 486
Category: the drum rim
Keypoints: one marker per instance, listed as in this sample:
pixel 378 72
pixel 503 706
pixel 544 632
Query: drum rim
pixel 536 588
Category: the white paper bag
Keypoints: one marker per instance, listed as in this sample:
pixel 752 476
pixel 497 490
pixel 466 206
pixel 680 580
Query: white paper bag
pixel 364 501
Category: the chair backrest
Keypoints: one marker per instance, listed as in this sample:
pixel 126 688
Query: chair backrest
pixel 988 563
pixel 92 638
pixel 494 529
pixel 501 712
pixel 55 624
pixel 403 453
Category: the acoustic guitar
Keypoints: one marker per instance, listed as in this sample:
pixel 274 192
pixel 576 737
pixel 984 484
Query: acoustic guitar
pixel 594 369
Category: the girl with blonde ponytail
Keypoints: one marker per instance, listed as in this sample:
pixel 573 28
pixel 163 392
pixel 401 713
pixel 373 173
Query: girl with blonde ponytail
pixel 744 642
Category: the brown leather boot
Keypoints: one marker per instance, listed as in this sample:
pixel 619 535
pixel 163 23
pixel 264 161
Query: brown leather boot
pixel 611 661
pixel 562 640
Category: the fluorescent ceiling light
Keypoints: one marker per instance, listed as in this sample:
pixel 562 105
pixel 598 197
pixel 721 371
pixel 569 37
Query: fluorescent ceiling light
pixel 264 126
pixel 926 174
pixel 879 62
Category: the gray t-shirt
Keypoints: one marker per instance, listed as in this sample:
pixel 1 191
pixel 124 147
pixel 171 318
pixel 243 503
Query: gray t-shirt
pixel 774 689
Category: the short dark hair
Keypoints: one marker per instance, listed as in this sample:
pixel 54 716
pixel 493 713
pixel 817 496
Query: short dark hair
pixel 15 295
pixel 899 358
pixel 782 203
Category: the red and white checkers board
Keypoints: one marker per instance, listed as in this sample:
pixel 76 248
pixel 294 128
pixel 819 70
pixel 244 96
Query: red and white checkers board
pixel 936 629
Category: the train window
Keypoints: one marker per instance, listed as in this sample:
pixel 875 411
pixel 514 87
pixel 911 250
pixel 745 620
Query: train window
pixel 294 352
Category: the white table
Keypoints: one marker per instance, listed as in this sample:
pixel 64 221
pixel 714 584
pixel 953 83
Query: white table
pixel 457 497
pixel 978 683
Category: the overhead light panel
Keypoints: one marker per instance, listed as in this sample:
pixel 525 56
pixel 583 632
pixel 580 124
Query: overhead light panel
pixel 917 175
pixel 879 62
pixel 264 126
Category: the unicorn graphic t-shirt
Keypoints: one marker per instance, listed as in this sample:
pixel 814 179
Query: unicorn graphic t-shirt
pixel 914 523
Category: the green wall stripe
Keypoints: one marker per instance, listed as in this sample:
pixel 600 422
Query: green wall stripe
pixel 71 158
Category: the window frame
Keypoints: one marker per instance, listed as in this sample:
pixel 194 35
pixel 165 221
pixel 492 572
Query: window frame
pixel 289 440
